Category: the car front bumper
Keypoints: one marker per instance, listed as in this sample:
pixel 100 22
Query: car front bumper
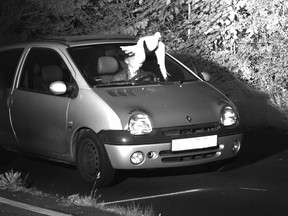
pixel 159 154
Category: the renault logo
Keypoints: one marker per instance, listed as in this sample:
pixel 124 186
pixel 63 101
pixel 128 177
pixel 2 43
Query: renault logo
pixel 188 119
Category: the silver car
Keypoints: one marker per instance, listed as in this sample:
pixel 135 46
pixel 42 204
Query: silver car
pixel 59 100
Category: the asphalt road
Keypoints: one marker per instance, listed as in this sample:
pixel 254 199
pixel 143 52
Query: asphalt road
pixel 257 184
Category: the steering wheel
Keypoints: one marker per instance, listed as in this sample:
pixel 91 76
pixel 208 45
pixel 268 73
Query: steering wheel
pixel 144 76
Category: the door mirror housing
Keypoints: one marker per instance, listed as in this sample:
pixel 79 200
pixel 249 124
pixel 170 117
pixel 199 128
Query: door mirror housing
pixel 205 76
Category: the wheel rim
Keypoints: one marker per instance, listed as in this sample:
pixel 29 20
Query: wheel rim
pixel 90 160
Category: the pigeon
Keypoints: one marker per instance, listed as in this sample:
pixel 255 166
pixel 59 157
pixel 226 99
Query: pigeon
pixel 137 54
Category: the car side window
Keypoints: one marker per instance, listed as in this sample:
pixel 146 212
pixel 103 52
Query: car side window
pixel 42 67
pixel 9 60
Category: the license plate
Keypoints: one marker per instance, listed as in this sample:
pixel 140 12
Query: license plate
pixel 194 143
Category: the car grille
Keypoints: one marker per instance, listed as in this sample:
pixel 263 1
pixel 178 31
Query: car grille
pixel 171 157
pixel 191 155
pixel 191 131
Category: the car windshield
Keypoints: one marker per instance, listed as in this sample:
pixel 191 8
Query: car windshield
pixel 106 65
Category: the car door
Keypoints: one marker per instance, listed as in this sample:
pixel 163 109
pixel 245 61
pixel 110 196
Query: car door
pixel 9 60
pixel 39 117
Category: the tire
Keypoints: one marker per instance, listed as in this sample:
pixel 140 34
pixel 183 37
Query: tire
pixel 91 159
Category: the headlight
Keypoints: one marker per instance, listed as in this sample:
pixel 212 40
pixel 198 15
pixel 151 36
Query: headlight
pixel 140 124
pixel 228 116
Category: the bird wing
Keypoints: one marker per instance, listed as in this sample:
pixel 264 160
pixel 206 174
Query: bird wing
pixel 130 50
pixel 160 54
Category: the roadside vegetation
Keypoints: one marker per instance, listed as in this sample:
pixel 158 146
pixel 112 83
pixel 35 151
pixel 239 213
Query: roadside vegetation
pixel 13 181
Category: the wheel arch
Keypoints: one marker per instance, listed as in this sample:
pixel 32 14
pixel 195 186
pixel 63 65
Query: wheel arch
pixel 83 164
pixel 76 137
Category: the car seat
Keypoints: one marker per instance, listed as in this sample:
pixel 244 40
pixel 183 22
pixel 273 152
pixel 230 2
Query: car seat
pixel 107 67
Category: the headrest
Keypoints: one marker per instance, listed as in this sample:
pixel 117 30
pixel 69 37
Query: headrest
pixel 107 65
pixel 51 73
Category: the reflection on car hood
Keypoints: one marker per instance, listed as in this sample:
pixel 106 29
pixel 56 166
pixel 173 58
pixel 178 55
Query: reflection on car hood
pixel 167 105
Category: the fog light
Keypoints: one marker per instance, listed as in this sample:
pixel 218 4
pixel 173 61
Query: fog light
pixel 152 155
pixel 236 146
pixel 137 158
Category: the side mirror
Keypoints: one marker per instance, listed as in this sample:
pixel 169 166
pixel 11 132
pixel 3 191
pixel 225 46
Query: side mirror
pixel 205 76
pixel 58 88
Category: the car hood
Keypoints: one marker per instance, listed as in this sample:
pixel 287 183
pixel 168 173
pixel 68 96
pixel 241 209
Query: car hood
pixel 167 105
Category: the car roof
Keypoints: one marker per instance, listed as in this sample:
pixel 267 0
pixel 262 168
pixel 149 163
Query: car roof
pixel 79 40
pixel 87 39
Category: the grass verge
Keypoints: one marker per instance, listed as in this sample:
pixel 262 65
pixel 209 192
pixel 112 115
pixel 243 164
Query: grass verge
pixel 12 181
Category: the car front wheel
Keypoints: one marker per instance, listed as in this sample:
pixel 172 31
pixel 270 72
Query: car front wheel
pixel 92 161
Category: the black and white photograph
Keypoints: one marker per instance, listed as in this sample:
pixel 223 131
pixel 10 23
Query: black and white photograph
pixel 143 108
